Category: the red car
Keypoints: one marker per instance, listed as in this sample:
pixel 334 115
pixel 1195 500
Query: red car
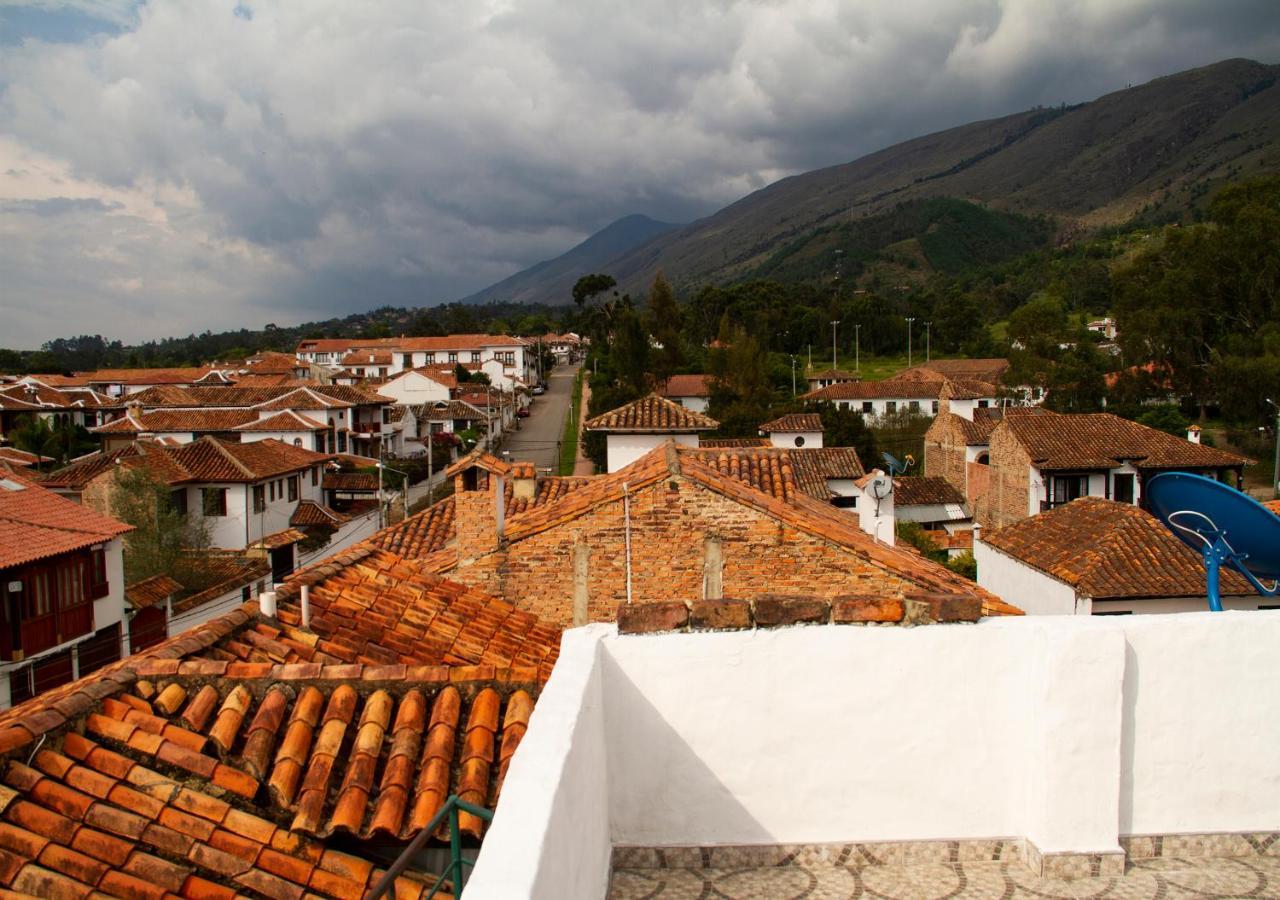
pixel 523 412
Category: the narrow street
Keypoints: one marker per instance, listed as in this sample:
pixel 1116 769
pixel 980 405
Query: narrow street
pixel 539 436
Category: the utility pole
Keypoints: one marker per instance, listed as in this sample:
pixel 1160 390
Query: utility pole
pixel 909 319
pixel 834 324
pixel 381 501
pixel 857 347
pixel 793 375
pixel 927 345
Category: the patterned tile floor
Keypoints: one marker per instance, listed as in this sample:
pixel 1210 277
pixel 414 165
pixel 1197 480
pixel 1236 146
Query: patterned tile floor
pixel 1149 879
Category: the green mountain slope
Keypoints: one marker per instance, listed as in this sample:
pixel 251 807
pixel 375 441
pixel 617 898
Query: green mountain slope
pixel 1156 149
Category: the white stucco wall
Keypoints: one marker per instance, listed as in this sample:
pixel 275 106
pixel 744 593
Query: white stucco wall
pixel 1068 731
pixel 1036 593
pixel 697 404
pixel 624 449
pixel 550 837
pixel 413 388
pixel 787 439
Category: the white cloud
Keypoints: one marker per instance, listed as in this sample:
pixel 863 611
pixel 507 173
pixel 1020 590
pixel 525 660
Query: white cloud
pixel 302 159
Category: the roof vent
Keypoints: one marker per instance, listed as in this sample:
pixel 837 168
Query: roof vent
pixel 9 485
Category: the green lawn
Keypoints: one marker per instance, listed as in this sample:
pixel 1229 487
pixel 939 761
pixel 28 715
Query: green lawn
pixel 873 368
pixel 569 441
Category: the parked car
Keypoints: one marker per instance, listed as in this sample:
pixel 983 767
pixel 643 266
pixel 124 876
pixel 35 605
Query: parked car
pixel 539 389
pixel 523 412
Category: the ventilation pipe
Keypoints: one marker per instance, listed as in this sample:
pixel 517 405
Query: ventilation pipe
pixel 626 512
pixel 267 604
pixel 306 606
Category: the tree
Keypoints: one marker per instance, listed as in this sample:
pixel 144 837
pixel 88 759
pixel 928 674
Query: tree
pixel 164 540
pixel 741 390
pixel 1165 417
pixel 588 287
pixel 663 320
pixel 845 427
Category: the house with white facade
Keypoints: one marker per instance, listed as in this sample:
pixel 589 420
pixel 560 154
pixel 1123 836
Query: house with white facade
pixel 794 430
pixel 911 396
pixel 633 430
pixel 61 589
pixel 1101 557
pixel 515 358
pixel 935 505
pixel 690 391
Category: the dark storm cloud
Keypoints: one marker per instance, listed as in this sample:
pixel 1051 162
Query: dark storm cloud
pixel 262 161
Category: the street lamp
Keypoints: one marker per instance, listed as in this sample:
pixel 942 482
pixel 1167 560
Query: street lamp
pixel 793 375
pixel 909 319
pixel 834 324
pixel 1275 475
pixel 927 347
pixel 857 348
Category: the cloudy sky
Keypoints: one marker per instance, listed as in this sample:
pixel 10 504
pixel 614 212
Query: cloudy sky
pixel 181 166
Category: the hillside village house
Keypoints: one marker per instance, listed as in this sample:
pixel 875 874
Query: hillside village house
pixel 690 391
pixel 30 399
pixel 794 430
pixel 62 587
pixel 897 396
pixel 635 429
pixel 936 506
pixel 566 348
pixel 828 377
pixel 1100 557
pixel 515 357
pixel 323 418
pixel 1015 463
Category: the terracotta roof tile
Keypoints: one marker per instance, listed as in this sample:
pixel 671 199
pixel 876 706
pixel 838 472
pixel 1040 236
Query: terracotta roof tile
pixel 991 371
pixel 283 421
pixel 150 591
pixel 350 481
pixel 179 421
pixel 211 460
pixel 793 422
pixel 722 443
pixel 910 490
pixel 36 523
pixel 1103 440
pixel 651 414
pixel 687 386
pixel 310 512
pixel 1107 550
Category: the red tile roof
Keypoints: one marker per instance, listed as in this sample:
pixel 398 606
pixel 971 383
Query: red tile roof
pixel 282 422
pixel 911 490
pixel 990 371
pixel 909 389
pixel 1108 550
pixel 687 386
pixel 304 398
pixel 14 456
pixel 150 591
pixel 178 421
pixel 311 513
pixel 36 523
pixel 651 414
pixel 793 422
pixel 1102 440
pixel 350 481
pixel 212 460
pixel 722 443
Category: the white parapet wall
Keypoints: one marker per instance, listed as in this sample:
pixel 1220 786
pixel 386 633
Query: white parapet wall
pixel 1065 732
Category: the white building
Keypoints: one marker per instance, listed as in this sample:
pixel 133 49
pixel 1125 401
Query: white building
pixel 920 397
pixel 642 425
pixel 1100 557
pixel 690 391
pixel 794 430
pixel 514 356
pixel 61 589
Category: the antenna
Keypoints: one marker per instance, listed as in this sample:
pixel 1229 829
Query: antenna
pixel 1223 525
pixel 893 464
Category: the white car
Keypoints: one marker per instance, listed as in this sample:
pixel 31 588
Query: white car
pixel 539 389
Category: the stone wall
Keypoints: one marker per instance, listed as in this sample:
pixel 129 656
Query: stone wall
pixel 944 452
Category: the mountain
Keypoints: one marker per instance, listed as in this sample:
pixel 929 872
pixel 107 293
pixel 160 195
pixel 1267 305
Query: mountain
pixel 552 280
pixel 1157 149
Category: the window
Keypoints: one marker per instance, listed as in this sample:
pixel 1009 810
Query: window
pixel 382 371
pixel 475 356
pixel 272 486
pixel 453 357
pixel 386 415
pixel 259 498
pixel 935 407
pixel 890 407
pixel 1122 492
pixel 799 440
pixel 406 360
pixel 178 501
pixel 315 475
pixel 983 404
pixel 1068 487
pixel 914 406
pixel 293 488
pixel 214 501
pixel 297 442
pixel 98 583
pixel 429 359
pixel 868 407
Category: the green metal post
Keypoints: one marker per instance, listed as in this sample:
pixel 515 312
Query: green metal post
pixel 455 849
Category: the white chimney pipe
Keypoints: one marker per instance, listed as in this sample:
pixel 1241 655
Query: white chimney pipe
pixel 1193 434
pixel 267 604
pixel 306 606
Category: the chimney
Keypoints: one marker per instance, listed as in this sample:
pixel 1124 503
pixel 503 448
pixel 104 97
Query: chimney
pixel 524 480
pixel 479 504
pixel 267 604
pixel 305 597
pixel 1193 434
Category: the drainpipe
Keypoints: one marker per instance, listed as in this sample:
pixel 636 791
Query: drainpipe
pixel 626 512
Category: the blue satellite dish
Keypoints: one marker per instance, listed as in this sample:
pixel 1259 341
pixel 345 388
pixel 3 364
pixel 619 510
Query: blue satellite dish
pixel 1223 525
pixel 892 464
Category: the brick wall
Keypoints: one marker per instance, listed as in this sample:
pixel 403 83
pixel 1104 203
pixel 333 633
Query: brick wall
pixel 944 451
pixel 1007 499
pixel 671 522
